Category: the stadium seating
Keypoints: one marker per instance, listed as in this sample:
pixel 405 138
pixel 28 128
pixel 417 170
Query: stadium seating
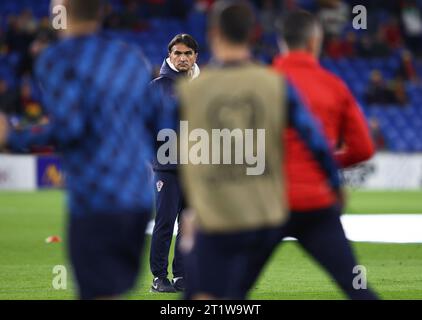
pixel 400 125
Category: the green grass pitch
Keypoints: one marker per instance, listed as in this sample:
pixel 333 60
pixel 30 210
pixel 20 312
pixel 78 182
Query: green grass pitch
pixel 26 261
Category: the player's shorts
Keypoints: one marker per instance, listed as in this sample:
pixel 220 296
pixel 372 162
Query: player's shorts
pixel 105 252
pixel 219 263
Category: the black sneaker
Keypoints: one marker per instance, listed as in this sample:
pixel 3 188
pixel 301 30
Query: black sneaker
pixel 179 284
pixel 162 285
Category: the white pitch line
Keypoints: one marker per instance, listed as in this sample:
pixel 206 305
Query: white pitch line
pixel 389 228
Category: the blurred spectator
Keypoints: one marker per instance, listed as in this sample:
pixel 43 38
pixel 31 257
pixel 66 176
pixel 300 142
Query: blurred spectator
pixel 399 92
pixel 30 107
pixel 365 46
pixel 373 46
pixel 42 150
pixel 407 69
pixel 378 92
pixel 38 45
pixel 377 134
pixel 203 5
pixel 380 46
pixel 157 8
pixel 179 9
pixel 130 17
pixel 334 16
pixel 268 16
pixel 45 29
pixel 21 32
pixel 392 33
pixel 17 40
pixel 8 98
pixel 111 18
pixel 374 6
pixel 290 5
pixel 334 48
pixel 3 44
pixel 338 48
pixel 155 72
pixel 412 24
pixel 27 22
pixel 350 44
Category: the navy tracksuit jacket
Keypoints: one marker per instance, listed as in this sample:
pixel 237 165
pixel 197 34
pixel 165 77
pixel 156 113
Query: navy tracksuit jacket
pixel 169 199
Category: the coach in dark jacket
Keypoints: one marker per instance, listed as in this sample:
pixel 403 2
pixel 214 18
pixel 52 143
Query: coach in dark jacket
pixel 181 62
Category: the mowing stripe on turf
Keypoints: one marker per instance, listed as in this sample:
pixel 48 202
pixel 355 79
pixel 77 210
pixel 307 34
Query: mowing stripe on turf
pixel 389 228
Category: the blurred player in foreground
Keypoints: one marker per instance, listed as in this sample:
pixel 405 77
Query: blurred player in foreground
pixel 315 212
pixel 169 200
pixel 103 122
pixel 238 215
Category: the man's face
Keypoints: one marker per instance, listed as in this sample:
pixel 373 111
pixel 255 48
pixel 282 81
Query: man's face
pixel 182 57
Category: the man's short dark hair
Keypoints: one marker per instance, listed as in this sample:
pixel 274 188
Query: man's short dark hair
pixel 84 10
pixel 297 27
pixel 185 39
pixel 234 18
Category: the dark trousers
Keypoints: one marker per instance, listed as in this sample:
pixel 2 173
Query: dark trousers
pixel 105 251
pixel 321 234
pixel 169 206
pixel 219 263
